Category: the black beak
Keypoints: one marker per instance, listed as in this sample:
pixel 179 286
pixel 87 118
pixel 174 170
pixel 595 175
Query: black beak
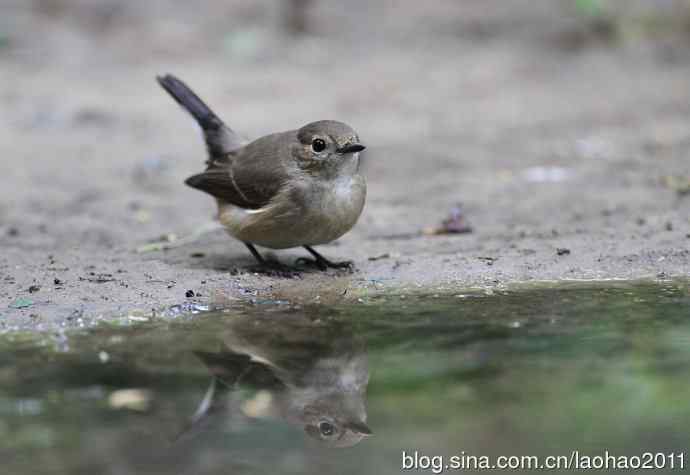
pixel 359 428
pixel 351 148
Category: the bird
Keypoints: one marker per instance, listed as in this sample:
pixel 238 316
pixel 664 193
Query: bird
pixel 302 187
pixel 313 376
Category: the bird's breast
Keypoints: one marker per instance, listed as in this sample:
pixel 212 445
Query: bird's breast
pixel 309 213
pixel 336 206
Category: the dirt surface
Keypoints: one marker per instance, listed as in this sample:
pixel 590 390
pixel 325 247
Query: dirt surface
pixel 568 146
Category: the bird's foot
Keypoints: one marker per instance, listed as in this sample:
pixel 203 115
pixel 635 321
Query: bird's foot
pixel 274 268
pixel 324 264
pixel 271 267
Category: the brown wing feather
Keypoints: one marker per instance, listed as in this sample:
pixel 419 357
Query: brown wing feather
pixel 253 175
pixel 217 182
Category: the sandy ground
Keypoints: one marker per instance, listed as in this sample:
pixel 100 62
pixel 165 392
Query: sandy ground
pixel 551 134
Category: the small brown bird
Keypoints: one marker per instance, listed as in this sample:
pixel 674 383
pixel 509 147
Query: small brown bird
pixel 296 188
pixel 312 375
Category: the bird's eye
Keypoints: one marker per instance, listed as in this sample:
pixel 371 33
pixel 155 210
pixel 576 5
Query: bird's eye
pixel 318 145
pixel 326 429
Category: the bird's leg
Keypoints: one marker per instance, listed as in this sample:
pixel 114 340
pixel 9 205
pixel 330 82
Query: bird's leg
pixel 323 263
pixel 255 253
pixel 270 265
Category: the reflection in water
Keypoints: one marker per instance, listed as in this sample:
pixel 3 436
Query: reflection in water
pixel 537 372
pixel 312 374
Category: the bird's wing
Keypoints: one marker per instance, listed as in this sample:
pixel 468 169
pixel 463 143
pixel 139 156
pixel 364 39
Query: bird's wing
pixel 220 183
pixel 252 176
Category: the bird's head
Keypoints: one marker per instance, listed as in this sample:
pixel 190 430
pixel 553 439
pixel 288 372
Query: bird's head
pixel 336 419
pixel 327 146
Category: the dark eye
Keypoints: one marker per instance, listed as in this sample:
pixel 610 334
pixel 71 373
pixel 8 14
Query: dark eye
pixel 318 145
pixel 326 429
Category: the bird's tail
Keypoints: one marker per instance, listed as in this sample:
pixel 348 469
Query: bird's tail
pixel 220 139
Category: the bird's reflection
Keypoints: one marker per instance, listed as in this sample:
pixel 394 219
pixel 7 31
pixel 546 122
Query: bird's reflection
pixel 310 373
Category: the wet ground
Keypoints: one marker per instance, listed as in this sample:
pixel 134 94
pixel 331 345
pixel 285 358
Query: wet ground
pixel 562 131
pixel 345 389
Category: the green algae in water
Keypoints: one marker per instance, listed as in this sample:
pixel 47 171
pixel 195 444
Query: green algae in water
pixel 534 372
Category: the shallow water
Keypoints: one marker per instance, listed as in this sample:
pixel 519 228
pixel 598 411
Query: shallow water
pixel 535 372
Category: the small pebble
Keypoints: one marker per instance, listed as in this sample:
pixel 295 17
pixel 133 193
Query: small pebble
pixel 189 294
pixel 132 399
pixel 22 303
pixel 34 288
pixel 562 251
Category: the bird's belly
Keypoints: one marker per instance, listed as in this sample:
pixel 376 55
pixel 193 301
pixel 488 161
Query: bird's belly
pixel 326 215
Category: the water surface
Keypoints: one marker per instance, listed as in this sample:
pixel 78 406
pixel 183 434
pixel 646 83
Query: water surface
pixel 271 388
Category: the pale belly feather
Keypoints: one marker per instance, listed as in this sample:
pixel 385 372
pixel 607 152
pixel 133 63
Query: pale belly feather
pixel 329 210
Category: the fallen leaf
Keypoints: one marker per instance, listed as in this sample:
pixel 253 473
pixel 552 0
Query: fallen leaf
pixel 455 223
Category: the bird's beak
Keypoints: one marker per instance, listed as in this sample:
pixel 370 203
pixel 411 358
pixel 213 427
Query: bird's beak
pixel 351 148
pixel 359 428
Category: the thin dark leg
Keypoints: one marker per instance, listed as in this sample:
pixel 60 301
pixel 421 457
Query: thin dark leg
pixel 324 263
pixel 274 267
pixel 255 253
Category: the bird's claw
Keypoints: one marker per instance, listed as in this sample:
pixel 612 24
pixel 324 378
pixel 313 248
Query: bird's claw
pixel 324 264
pixel 342 265
pixel 276 269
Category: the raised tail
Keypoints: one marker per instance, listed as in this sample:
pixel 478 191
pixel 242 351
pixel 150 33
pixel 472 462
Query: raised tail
pixel 220 139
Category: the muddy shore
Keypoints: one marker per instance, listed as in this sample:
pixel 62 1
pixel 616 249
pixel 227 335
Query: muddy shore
pixel 568 150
